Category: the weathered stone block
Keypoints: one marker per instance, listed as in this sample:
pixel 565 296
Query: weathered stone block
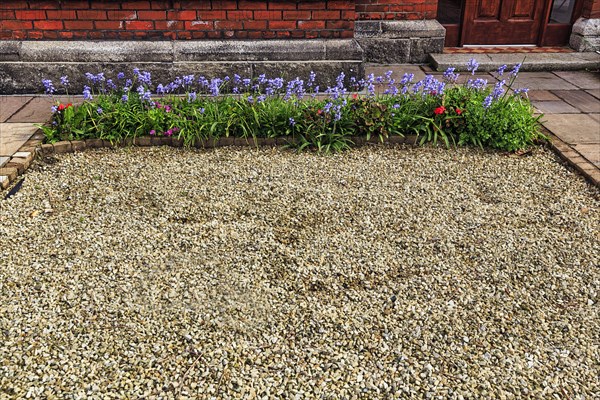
pixel 585 35
pixel 10 172
pixel 78 145
pixel 63 147
pixel 143 141
pixel 94 143
pixel 47 149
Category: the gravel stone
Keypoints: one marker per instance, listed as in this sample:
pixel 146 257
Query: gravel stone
pixel 379 273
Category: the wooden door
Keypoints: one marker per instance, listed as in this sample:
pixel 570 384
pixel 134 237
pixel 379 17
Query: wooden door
pixel 498 22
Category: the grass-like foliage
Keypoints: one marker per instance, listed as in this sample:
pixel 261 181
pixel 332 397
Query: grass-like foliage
pixel 196 109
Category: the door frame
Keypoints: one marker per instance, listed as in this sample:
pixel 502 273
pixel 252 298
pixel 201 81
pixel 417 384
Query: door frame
pixel 548 34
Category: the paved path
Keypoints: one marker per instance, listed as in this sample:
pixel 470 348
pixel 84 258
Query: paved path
pixel 570 101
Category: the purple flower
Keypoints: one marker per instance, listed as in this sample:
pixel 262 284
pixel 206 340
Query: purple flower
pixel 521 90
pixel 54 109
pixel 472 66
pixel 87 94
pixel 487 102
pixel 110 84
pixel 501 70
pixel 498 89
pixel 292 121
pixel 124 98
pixel 99 110
pixel 250 99
pixel 201 110
pixel 478 83
pixel 192 96
pixel 143 76
pixel 64 80
pixel 406 79
pixel 188 80
pixel 515 70
pixel 311 79
pixel 120 75
pixel 450 76
pixel 49 86
pixel 396 105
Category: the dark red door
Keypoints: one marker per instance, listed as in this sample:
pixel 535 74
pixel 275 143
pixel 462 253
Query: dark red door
pixel 490 22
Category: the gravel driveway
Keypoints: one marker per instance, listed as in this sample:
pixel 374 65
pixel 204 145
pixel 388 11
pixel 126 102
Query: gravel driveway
pixel 379 273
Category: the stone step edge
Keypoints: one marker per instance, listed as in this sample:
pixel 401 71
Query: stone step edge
pixel 35 147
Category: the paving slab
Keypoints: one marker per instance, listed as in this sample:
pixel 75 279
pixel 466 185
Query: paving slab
pixel 581 79
pixel 38 109
pixel 594 92
pixel 13 136
pixel 541 95
pixel 555 107
pixel 596 117
pixel 542 81
pixel 3 160
pixel 10 105
pixel 573 128
pixel 579 99
pixel 590 152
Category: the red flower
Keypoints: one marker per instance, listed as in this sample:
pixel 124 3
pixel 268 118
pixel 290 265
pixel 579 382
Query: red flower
pixel 458 111
pixel 319 112
pixel 355 96
pixel 440 110
pixel 63 106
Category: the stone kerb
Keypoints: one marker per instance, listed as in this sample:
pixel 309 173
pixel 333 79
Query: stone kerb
pixel 390 42
pixel 33 61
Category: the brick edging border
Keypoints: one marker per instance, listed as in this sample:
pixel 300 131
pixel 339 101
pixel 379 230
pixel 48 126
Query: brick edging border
pixel 573 158
pixel 35 147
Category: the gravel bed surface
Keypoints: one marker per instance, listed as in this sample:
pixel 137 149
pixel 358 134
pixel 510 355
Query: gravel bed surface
pixel 379 273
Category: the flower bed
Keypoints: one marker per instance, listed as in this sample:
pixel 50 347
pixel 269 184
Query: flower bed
pixel 196 109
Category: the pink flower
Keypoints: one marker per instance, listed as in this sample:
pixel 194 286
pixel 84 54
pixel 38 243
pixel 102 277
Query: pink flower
pixel 152 132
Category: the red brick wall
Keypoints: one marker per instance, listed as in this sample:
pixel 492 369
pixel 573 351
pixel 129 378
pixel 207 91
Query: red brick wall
pixel 396 9
pixel 164 20
pixel 591 9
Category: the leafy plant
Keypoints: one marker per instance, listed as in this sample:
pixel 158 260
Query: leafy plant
pixel 196 109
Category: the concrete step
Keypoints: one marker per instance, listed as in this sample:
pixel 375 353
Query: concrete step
pixel 531 61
